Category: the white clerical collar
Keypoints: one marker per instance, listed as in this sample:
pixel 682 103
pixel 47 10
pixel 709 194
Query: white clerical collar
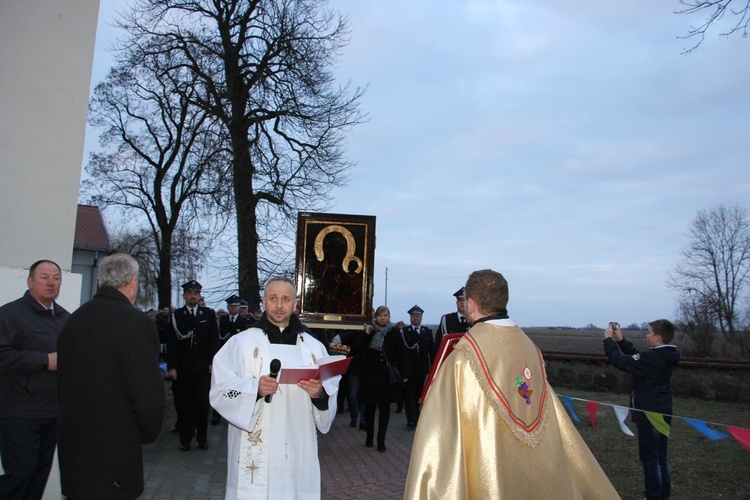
pixel 500 322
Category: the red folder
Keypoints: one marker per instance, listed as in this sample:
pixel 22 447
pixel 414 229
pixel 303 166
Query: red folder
pixel 445 348
pixel 328 367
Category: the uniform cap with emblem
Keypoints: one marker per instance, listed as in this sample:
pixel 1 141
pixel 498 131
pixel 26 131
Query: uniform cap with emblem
pixel 243 304
pixel 415 310
pixel 192 285
pixel 459 293
pixel 234 300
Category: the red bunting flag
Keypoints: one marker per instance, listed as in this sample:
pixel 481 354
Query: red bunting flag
pixel 741 435
pixel 592 406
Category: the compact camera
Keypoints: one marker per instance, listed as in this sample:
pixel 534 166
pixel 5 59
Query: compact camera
pixel 613 325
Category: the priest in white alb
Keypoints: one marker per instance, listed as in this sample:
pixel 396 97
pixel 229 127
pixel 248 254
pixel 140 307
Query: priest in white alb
pixel 272 445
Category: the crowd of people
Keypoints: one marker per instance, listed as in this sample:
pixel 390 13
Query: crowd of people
pixel 226 365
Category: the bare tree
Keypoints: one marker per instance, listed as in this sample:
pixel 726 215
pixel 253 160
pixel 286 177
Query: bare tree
pixel 712 276
pixel 264 69
pixel 696 320
pixel 716 10
pixel 141 244
pixel 159 156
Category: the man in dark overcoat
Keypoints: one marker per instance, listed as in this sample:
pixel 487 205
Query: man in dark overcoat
pixel 29 329
pixel 111 389
pixel 192 341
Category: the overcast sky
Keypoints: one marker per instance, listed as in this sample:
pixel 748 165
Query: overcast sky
pixel 567 144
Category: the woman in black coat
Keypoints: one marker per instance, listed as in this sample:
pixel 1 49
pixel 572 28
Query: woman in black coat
pixel 381 344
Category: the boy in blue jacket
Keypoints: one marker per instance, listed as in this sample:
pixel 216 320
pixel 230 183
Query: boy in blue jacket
pixel 652 372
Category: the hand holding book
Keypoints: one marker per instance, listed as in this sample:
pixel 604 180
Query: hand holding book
pixel 327 367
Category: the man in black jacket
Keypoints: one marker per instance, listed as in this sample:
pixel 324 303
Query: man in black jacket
pixel 233 322
pixel 230 324
pixel 454 322
pixel 29 328
pixel 111 389
pixel 652 371
pixel 192 341
pixel 420 350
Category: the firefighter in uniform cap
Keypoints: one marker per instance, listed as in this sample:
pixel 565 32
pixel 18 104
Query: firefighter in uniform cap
pixel 233 322
pixel 192 341
pixel 230 324
pixel 244 311
pixel 420 350
pixel 454 322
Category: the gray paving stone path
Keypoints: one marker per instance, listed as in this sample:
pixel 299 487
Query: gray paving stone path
pixel 348 469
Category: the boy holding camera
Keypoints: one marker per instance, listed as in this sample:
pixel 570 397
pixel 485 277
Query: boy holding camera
pixel 652 371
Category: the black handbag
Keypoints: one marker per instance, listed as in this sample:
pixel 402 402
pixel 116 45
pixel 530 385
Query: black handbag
pixel 394 374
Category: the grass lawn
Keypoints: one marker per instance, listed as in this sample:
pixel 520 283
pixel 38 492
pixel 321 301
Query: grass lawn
pixel 701 468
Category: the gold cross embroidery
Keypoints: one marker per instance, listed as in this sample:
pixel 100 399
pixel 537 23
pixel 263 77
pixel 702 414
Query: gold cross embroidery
pixel 252 468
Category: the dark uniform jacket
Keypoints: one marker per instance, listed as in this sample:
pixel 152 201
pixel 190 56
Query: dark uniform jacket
pixel 450 323
pixel 194 352
pixel 28 332
pixel 652 371
pixel 420 358
pixel 111 397
pixel 227 328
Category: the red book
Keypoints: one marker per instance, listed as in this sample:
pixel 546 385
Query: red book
pixel 445 348
pixel 328 367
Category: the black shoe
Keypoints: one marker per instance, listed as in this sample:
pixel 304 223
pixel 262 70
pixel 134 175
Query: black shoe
pixel 184 447
pixel 353 423
pixel 362 426
pixel 215 420
pixel 174 429
pixel 381 447
pixel 203 446
pixel 399 409
pixel 410 425
pixel 368 443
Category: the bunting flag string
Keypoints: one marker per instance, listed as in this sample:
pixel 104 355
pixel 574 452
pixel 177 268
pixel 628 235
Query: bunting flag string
pixel 740 434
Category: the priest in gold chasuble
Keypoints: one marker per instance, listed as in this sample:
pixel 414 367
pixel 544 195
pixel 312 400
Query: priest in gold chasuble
pixel 491 426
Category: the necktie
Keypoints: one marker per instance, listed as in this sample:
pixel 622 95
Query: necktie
pixel 192 312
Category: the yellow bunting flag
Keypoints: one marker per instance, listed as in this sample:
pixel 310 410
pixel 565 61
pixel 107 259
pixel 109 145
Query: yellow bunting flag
pixel 657 420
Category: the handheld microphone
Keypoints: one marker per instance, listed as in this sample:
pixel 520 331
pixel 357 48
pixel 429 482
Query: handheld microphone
pixel 275 367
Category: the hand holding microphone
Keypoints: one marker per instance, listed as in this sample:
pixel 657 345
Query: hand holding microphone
pixel 275 367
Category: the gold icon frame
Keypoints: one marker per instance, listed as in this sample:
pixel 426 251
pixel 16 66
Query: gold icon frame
pixel 335 269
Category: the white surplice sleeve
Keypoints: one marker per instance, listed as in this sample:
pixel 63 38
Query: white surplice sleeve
pixel 237 368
